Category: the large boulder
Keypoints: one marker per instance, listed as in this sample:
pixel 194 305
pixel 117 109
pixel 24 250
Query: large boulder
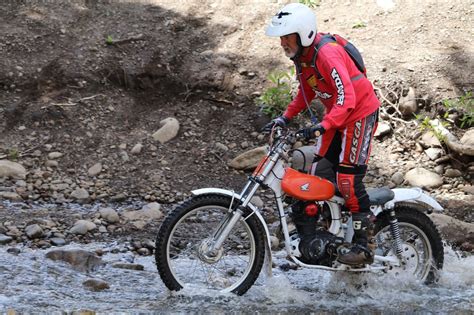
pixel 421 177
pixel 468 138
pixel 169 129
pixel 453 230
pixel 249 159
pixel 12 169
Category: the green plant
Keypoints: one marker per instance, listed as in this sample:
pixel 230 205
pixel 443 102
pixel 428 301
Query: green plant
pixel 311 3
pixel 13 154
pixel 465 106
pixel 109 40
pixel 359 24
pixel 275 99
pixel 425 124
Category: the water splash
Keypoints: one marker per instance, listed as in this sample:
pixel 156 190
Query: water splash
pixel 31 283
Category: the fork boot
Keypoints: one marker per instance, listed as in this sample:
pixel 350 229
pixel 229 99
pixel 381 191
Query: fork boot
pixel 361 251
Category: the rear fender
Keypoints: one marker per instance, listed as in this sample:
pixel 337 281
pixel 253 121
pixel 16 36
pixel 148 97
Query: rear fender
pixel 256 212
pixel 416 196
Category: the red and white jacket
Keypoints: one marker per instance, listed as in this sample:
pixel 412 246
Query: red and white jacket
pixel 345 92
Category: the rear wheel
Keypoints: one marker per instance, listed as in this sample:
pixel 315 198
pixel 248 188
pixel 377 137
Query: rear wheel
pixel 422 248
pixel 182 255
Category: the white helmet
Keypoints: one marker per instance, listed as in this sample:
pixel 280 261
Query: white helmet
pixel 294 18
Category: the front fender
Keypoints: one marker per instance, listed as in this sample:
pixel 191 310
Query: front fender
pixel 414 195
pixel 225 192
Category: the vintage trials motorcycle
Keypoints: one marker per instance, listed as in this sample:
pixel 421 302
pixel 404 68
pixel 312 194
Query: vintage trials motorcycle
pixel 218 239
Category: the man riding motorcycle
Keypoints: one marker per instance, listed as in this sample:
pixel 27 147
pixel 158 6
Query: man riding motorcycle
pixel 345 134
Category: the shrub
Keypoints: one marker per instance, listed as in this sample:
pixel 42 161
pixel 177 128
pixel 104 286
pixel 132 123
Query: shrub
pixel 275 99
pixel 464 105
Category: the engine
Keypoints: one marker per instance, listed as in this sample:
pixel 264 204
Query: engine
pixel 317 246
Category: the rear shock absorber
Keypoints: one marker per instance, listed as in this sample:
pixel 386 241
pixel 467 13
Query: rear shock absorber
pixel 395 231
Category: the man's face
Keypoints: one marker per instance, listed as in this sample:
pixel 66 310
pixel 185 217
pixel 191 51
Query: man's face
pixel 289 43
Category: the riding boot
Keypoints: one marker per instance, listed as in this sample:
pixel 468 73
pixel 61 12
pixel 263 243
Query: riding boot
pixel 361 251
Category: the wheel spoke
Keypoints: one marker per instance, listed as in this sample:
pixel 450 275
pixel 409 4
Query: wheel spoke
pixel 416 254
pixel 191 263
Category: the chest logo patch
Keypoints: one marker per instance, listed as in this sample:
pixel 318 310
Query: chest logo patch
pixel 312 81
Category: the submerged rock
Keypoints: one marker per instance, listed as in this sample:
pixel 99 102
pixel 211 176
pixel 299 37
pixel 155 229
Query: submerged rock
pixel 80 260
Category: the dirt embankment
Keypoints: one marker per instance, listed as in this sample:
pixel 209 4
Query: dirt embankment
pixel 92 79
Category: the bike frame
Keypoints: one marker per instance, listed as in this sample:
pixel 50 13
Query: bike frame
pixel 270 174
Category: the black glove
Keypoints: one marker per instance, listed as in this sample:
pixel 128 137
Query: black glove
pixel 281 121
pixel 311 132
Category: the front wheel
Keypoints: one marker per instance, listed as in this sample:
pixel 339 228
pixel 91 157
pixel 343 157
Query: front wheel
pixel 182 251
pixel 422 249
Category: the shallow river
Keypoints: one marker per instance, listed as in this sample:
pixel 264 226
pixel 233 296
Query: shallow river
pixel 31 283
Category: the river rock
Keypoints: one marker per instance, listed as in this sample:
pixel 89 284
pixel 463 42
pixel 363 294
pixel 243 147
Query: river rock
pixel 51 163
pixel 128 266
pixel 95 169
pixel 221 147
pixel 468 189
pixel 257 202
pixel 468 138
pixel 79 259
pixel 143 251
pixel 58 241
pixel 302 158
pixel 80 194
pixel 140 218
pixel 10 196
pixel 124 156
pixel 81 227
pixel 152 210
pixel 5 239
pixel 453 230
pixel 407 104
pixel 434 153
pixel 275 242
pixel 34 231
pixel 137 148
pixel 382 130
pixel 169 129
pixel 96 284
pixel 249 159
pixel 54 155
pixel 451 172
pixel 12 169
pixel 109 215
pixel 397 178
pixel 421 177
pixel 14 250
pixel 429 139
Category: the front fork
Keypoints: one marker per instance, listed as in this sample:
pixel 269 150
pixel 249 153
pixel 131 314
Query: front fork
pixel 234 216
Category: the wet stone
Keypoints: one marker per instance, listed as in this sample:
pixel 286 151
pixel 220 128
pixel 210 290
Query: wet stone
pixel 57 241
pixel 128 266
pixel 34 231
pixel 96 284
pixel 143 251
pixel 4 239
pixel 14 251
